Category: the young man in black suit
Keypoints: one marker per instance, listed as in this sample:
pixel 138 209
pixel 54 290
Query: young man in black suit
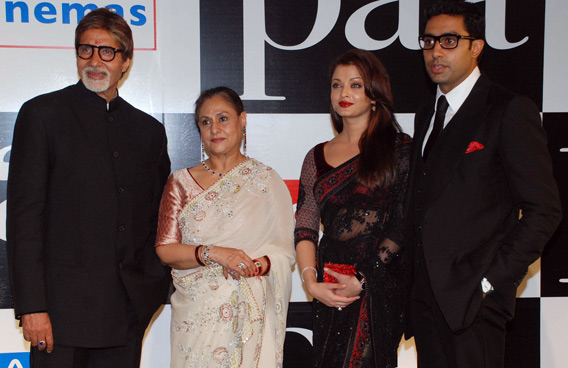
pixel 482 198
pixel 86 175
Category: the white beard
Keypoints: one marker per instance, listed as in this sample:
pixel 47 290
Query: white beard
pixel 96 86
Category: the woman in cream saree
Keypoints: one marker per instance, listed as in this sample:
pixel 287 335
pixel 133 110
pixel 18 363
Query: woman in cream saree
pixel 221 318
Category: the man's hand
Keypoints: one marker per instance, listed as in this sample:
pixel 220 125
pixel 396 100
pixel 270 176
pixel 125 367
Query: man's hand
pixel 37 330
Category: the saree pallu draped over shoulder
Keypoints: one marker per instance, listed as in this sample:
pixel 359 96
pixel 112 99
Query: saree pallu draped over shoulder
pixel 218 322
pixel 362 229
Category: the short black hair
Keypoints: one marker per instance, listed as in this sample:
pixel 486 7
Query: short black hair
pixel 474 20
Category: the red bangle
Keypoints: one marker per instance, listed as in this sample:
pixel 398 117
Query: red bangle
pixel 268 264
pixel 197 258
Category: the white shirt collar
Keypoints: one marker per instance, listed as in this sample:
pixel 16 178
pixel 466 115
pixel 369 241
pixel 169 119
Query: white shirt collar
pixel 457 96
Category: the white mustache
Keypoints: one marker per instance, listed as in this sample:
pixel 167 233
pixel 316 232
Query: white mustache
pixel 93 69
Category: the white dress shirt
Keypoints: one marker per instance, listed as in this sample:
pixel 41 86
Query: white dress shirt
pixel 456 98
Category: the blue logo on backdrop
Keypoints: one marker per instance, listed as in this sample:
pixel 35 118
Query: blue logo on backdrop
pixel 50 24
pixel 47 12
pixel 15 360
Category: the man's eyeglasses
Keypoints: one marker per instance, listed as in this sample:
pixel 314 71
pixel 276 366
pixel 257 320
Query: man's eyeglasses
pixel 106 53
pixel 447 41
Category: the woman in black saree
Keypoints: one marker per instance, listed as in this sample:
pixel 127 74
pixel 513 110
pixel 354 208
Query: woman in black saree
pixel 354 185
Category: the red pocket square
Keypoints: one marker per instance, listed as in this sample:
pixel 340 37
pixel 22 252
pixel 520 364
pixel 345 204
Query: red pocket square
pixel 474 146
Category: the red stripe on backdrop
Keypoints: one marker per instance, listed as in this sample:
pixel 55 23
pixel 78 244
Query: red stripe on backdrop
pixel 293 186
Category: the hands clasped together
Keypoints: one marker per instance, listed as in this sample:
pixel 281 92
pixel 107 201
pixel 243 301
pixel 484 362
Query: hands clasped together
pixel 335 295
pixel 235 262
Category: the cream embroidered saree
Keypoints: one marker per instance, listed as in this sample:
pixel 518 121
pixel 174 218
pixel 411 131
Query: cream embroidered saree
pixel 230 323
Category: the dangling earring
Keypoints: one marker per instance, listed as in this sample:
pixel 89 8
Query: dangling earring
pixel 202 152
pixel 245 141
pixel 374 107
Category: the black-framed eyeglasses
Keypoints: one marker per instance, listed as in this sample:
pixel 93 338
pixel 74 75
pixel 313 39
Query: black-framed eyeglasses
pixel 106 53
pixel 446 41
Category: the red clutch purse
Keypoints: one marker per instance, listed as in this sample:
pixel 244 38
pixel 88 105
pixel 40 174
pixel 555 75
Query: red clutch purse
pixel 340 268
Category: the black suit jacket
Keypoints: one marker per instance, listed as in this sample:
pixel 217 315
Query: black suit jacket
pixel 464 207
pixel 83 194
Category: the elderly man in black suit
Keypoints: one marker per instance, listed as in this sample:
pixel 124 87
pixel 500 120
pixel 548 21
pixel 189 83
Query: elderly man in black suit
pixel 482 198
pixel 86 175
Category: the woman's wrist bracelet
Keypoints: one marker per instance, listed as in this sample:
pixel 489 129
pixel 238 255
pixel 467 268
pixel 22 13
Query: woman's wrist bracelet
pixel 258 265
pixel 308 268
pixel 197 256
pixel 206 255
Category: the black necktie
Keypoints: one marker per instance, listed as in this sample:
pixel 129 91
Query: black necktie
pixel 441 108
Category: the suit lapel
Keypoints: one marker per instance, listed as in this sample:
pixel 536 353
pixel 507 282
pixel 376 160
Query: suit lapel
pixel 454 140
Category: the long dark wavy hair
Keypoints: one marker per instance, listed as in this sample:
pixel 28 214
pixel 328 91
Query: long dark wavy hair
pixel 377 144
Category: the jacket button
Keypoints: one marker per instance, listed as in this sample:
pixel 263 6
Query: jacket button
pixel 110 119
pixel 115 154
pixel 121 190
pixel 121 228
